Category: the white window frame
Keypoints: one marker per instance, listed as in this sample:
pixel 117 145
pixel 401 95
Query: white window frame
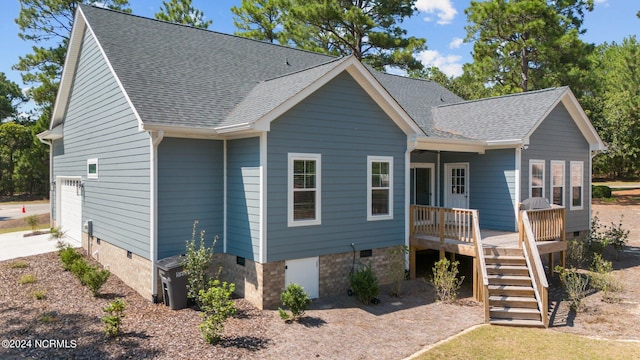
pixel 318 189
pixel 531 164
pixel 89 163
pixel 581 173
pixel 370 160
pixel 554 185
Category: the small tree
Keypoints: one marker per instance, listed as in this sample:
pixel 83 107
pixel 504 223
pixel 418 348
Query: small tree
pixel 113 320
pixel 296 299
pixel 445 280
pixel 32 221
pixel 217 306
pixel 396 268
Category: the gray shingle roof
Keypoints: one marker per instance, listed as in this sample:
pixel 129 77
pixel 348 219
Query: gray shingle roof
pixel 507 117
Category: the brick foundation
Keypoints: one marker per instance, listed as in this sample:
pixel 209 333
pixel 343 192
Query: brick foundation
pixel 134 271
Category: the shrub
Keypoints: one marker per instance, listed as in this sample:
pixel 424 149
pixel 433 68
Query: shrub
pixel 217 306
pixel 68 255
pixel 578 253
pixel 32 221
pixel 39 294
pixel 617 236
pixel 600 191
pixel 19 264
pixel 27 279
pixel 445 280
pixel 113 320
pixel 603 280
pixel 575 284
pixel 396 268
pixel 196 263
pixel 364 284
pixel 79 268
pixel 94 278
pixel 296 299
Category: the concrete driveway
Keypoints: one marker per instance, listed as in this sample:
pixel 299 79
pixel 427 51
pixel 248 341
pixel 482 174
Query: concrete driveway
pixel 14 210
pixel 15 245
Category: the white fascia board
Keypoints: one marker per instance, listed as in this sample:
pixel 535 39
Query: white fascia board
pixel 455 145
pixel 53 134
pixel 364 78
pixel 182 131
pixel 69 69
pixel 505 144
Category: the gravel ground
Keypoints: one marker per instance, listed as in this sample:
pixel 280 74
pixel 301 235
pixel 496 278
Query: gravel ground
pixel 334 328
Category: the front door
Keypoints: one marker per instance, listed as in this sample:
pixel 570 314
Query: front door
pixel 457 185
pixel 422 184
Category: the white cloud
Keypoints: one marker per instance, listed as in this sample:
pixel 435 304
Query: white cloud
pixel 442 8
pixel 448 64
pixel 455 43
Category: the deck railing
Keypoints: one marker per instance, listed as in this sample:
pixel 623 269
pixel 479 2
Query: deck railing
pixel 443 223
pixel 482 287
pixel 547 224
pixel 538 277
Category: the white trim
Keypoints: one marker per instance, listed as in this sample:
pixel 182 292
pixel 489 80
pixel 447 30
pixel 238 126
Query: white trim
pixel 423 165
pixel 370 160
pixel 318 189
pixel 448 184
pixel 154 143
pixel 537 162
pixel 581 206
pixel 564 181
pixel 90 175
pixel 518 185
pixel 437 144
pixel 263 197
pixel 224 196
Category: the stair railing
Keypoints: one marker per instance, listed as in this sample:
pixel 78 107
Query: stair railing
pixel 482 290
pixel 536 270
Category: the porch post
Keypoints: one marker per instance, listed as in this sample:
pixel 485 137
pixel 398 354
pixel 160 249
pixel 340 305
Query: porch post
pixel 412 262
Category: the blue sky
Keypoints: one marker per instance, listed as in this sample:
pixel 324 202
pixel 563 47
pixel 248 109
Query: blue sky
pixel 441 22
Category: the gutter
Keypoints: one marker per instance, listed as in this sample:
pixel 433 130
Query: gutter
pixel 156 138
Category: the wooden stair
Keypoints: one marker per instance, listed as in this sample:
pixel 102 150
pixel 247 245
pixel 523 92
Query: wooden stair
pixel 512 299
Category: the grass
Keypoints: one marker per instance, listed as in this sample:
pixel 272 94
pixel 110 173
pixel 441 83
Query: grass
pixel 24 228
pixel 18 264
pixel 498 342
pixel 40 294
pixel 616 184
pixel 27 279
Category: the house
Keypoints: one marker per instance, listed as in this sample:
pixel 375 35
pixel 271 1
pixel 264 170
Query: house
pixel 299 162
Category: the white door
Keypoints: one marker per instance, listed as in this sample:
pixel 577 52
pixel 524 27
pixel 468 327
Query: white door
pixel 70 215
pixel 456 193
pixel 304 272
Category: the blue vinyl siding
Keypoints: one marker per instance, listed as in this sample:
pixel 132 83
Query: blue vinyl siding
pixel 190 187
pixel 558 138
pixel 243 197
pixel 343 124
pixel 492 186
pixel 100 124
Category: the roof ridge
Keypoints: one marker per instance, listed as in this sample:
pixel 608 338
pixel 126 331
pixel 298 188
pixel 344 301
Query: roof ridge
pixel 206 30
pixel 410 78
pixel 338 59
pixel 504 96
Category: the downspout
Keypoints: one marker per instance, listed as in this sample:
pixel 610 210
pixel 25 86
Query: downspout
pixel 518 181
pixel 411 145
pixel 156 138
pixel 51 188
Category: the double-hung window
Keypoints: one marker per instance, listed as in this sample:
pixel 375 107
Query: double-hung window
pixel 304 197
pixel 577 185
pixel 557 182
pixel 536 178
pixel 379 188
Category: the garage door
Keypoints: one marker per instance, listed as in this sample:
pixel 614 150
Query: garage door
pixel 70 218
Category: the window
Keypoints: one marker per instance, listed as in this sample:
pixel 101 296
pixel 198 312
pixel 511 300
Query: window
pixel 557 182
pixel 379 187
pixel 92 169
pixel 304 189
pixel 577 183
pixel 536 178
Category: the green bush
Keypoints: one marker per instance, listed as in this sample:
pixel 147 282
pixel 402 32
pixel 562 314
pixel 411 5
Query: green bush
pixel 217 306
pixel 578 253
pixel 296 299
pixel 575 284
pixel 32 221
pixel 396 268
pixel 364 284
pixel 600 191
pixel 68 255
pixel 196 263
pixel 40 294
pixel 113 320
pixel 445 280
pixel 603 280
pixel 79 268
pixel 27 279
pixel 94 278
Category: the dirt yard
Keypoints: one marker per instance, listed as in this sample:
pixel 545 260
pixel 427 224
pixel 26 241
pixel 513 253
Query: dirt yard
pixel 335 328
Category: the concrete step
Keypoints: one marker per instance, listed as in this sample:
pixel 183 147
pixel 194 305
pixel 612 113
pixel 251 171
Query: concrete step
pixel 499 269
pixel 509 290
pixel 516 280
pixel 517 322
pixel 505 260
pixel 513 313
pixel 513 301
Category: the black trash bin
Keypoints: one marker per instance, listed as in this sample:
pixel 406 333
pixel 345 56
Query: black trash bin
pixel 174 282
